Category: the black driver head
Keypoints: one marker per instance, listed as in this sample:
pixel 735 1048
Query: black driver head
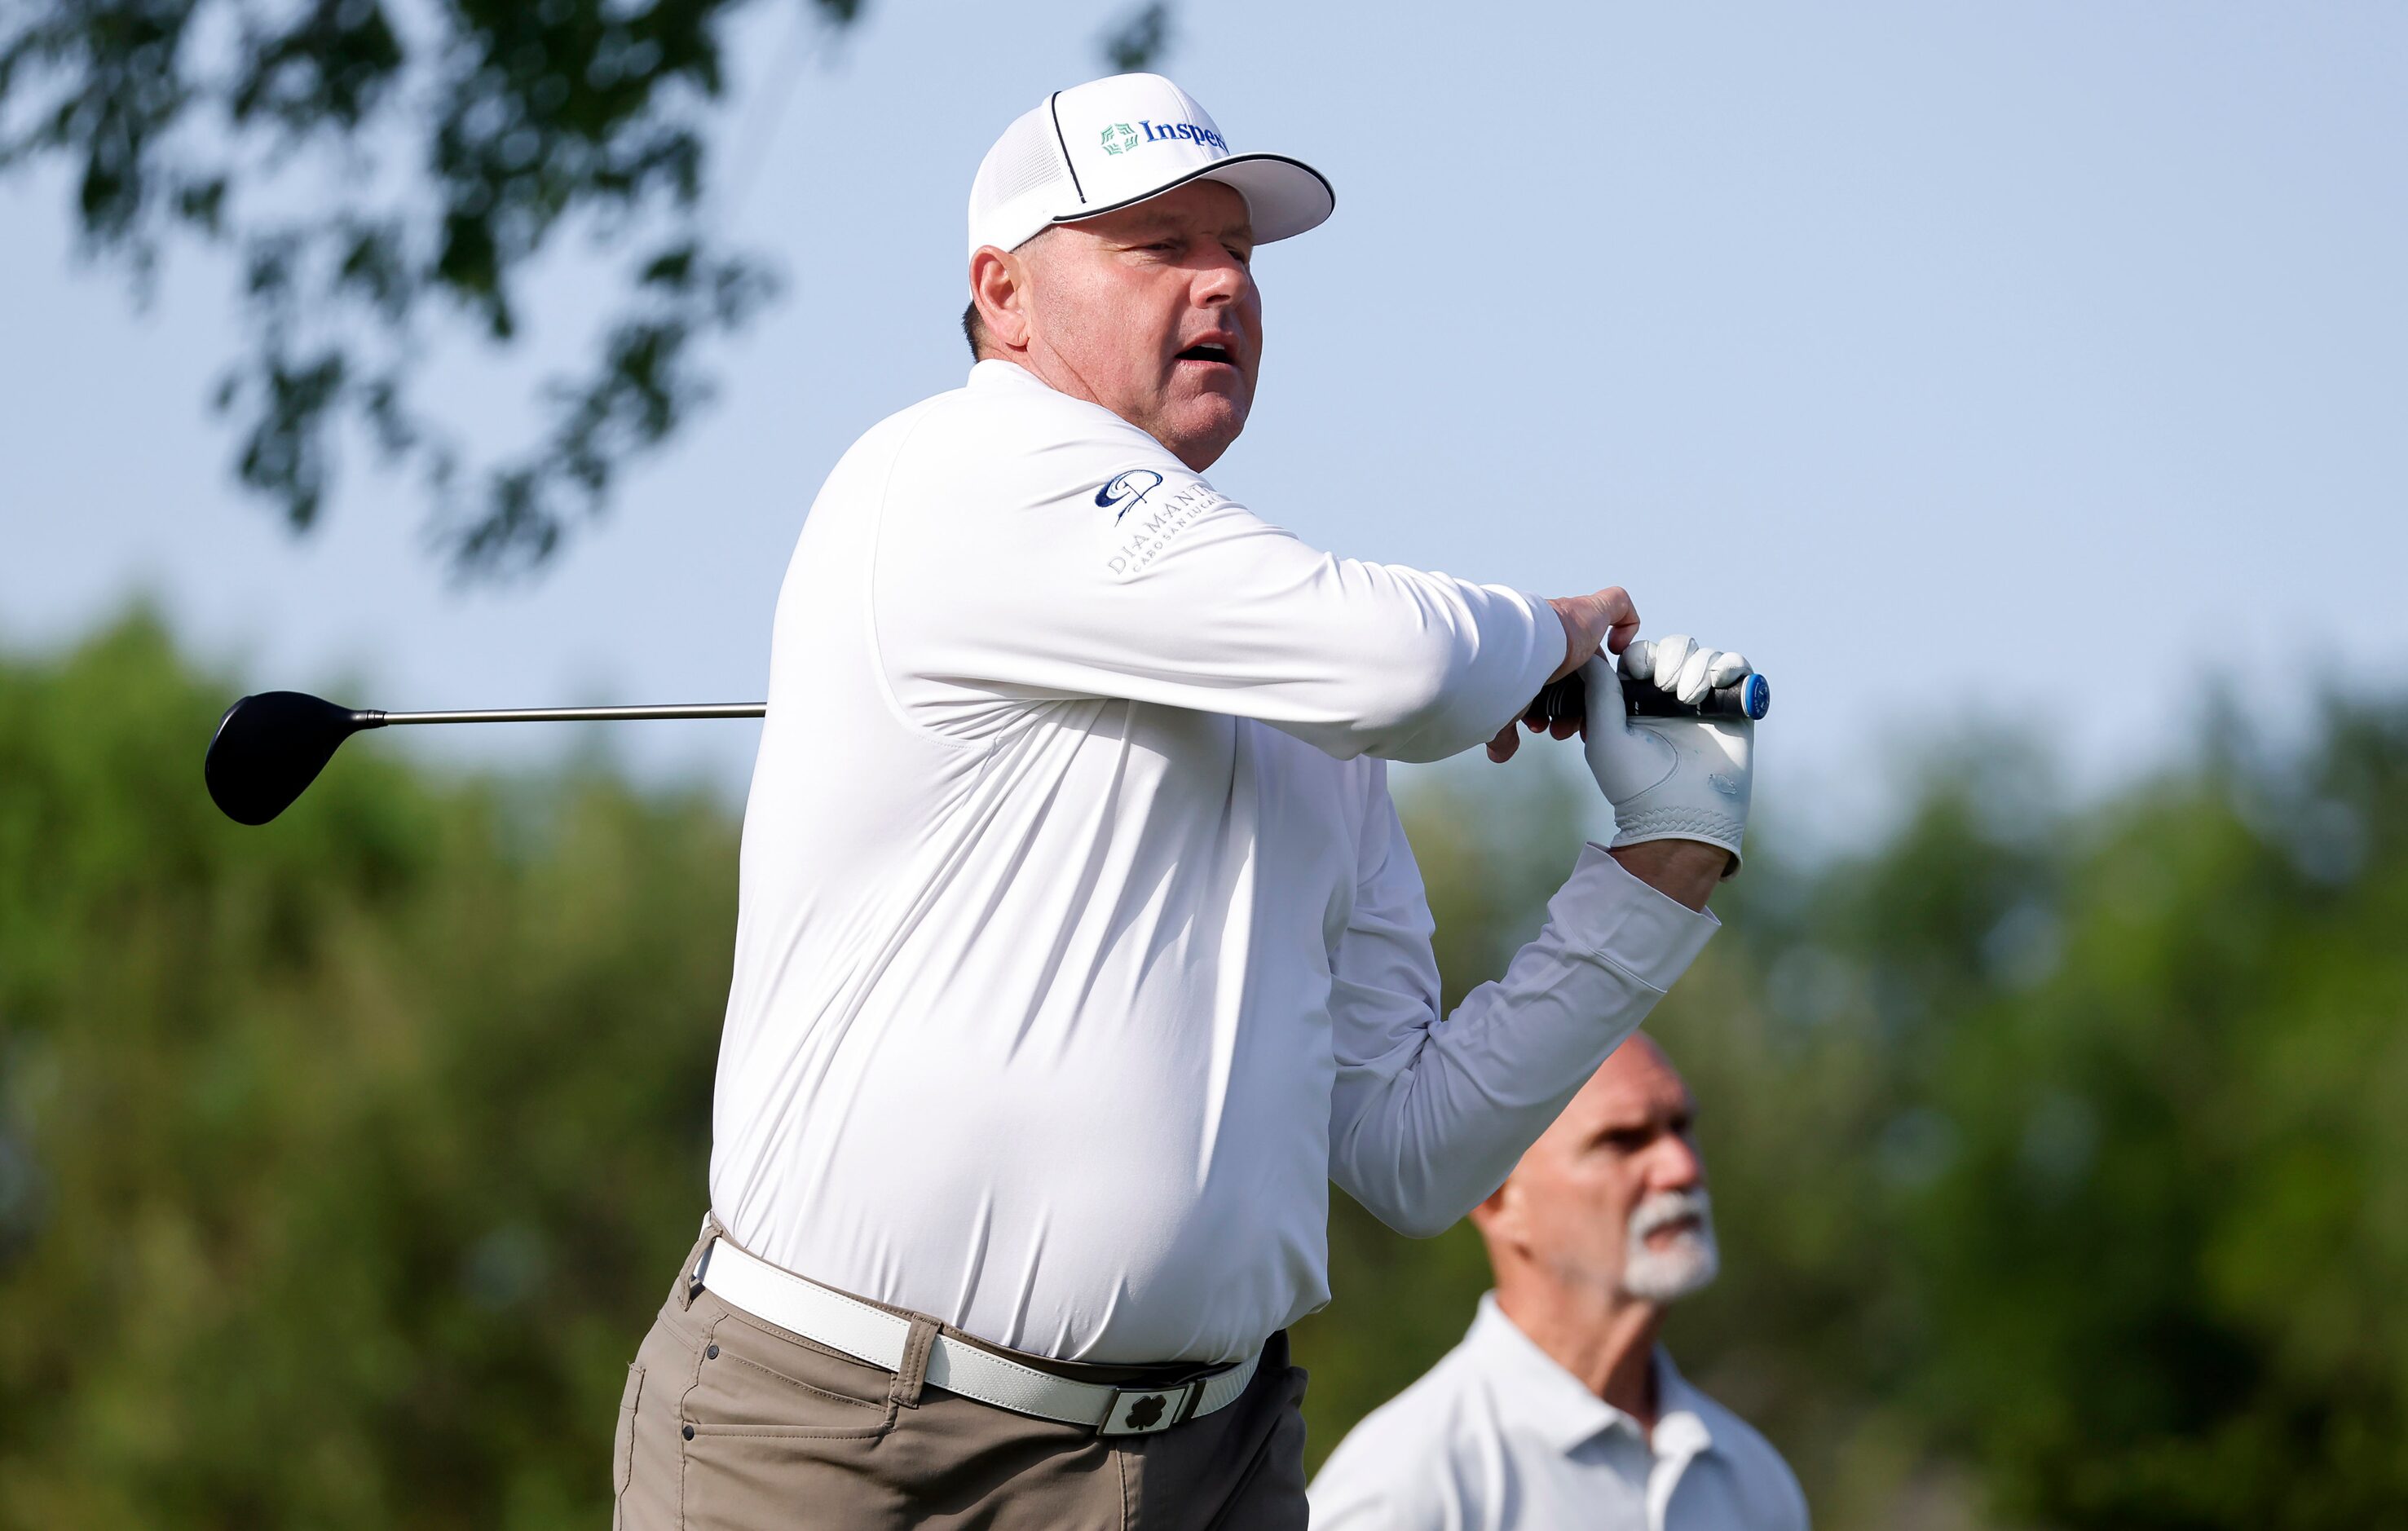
pixel 270 747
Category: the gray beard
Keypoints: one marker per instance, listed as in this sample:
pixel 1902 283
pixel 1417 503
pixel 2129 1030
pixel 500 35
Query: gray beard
pixel 1689 1264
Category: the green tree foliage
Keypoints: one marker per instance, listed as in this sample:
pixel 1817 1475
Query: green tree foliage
pixel 2163 1272
pixel 1140 38
pixel 378 168
pixel 387 174
pixel 2055 1152
pixel 341 1164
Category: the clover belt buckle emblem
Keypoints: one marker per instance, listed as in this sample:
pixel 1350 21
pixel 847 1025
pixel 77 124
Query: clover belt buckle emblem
pixel 1136 1414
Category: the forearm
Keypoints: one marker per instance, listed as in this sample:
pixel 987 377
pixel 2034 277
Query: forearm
pixel 1223 613
pixel 1418 667
pixel 1684 871
pixel 1422 1133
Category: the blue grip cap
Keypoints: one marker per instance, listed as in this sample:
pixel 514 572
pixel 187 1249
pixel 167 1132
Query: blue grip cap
pixel 1756 697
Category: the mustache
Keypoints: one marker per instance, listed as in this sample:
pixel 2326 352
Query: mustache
pixel 1666 1208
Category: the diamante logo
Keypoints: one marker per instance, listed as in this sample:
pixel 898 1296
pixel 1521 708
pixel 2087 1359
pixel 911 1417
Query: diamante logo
pixel 1149 533
pixel 1128 491
pixel 1118 136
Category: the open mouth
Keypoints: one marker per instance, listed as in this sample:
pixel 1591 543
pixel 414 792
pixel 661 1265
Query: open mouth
pixel 1208 353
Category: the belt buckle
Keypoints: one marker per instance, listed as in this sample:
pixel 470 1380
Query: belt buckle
pixel 1145 1411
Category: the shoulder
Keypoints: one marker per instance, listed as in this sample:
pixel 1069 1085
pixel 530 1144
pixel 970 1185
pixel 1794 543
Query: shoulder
pixel 866 465
pixel 1008 467
pixel 1416 1460
pixel 1006 417
pixel 1000 416
pixel 1761 1474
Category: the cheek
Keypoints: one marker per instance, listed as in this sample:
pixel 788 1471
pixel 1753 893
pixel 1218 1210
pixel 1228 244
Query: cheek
pixel 1611 1200
pixel 1590 1208
pixel 1137 314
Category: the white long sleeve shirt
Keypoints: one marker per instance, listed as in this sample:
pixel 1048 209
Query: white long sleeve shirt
pixel 1497 1437
pixel 1077 945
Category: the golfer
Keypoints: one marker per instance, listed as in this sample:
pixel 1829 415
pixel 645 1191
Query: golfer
pixel 1078 947
pixel 1559 1408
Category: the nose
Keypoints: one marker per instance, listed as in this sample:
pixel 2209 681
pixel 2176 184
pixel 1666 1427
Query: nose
pixel 1677 1165
pixel 1221 282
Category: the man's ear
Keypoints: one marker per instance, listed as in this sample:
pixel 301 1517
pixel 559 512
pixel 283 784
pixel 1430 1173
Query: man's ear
pixel 1499 1216
pixel 999 287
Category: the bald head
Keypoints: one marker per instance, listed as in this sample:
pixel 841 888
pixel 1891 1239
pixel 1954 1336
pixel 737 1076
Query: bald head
pixel 1608 1206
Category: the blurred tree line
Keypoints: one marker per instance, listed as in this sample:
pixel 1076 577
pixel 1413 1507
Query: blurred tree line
pixel 2057 1149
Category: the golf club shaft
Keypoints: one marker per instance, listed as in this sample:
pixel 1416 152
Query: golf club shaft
pixel 1727 701
pixel 372 719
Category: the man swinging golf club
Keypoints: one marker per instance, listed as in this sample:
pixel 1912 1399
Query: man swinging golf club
pixel 1078 947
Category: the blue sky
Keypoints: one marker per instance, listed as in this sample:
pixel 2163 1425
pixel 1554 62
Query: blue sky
pixel 2041 362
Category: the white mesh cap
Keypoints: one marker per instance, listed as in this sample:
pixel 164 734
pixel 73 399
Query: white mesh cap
pixel 1111 142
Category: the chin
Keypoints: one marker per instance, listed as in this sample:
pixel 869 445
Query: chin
pixel 1690 1264
pixel 1203 429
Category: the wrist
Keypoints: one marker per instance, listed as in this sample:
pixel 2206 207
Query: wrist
pixel 1684 871
pixel 1577 645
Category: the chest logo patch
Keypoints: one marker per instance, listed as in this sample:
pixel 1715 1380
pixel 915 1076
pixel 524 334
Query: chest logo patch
pixel 1128 491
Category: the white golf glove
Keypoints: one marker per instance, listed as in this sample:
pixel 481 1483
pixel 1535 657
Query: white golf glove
pixel 1671 779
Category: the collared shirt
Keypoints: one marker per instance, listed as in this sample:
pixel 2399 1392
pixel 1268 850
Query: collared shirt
pixel 1078 947
pixel 1499 1435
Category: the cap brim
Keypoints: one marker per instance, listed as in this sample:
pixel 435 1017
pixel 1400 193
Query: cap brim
pixel 1284 198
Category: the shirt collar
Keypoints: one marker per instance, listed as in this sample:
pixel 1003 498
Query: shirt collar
pixel 1680 1427
pixel 991 373
pixel 1538 1395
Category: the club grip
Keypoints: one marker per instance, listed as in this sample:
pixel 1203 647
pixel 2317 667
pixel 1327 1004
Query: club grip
pixel 1749 697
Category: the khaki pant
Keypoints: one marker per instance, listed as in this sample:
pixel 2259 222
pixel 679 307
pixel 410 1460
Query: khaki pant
pixel 731 1423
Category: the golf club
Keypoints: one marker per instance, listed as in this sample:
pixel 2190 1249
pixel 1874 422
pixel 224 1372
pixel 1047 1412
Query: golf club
pixel 269 747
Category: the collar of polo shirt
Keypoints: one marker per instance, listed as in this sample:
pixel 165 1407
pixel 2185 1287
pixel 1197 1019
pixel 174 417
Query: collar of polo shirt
pixel 1557 1408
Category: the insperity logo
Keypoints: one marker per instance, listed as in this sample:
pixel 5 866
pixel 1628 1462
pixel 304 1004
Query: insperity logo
pixel 1128 491
pixel 1120 139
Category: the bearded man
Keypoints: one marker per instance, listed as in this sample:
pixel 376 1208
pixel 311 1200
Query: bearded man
pixel 1560 1408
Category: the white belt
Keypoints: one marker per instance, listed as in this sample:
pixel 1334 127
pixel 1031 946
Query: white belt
pixel 878 1337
